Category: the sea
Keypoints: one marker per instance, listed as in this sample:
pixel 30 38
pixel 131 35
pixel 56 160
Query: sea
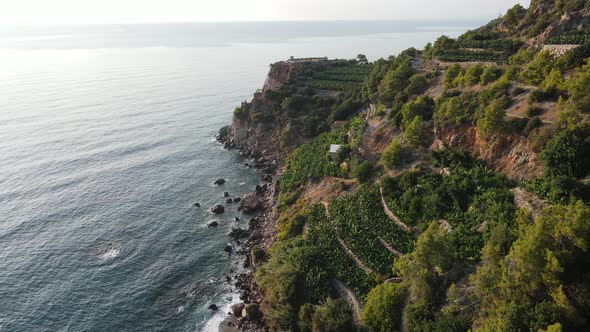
pixel 107 142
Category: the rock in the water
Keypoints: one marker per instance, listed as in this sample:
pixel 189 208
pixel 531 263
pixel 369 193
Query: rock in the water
pixel 259 190
pixel 251 203
pixel 237 199
pixel 213 307
pixel 197 204
pixel 226 194
pixel 218 209
pixel 229 200
pixel 237 308
pixel 213 224
pixel 229 249
pixel 238 233
pixel 219 182
pixel 251 311
pixel 237 218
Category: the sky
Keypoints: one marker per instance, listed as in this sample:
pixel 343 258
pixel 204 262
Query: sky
pixel 150 11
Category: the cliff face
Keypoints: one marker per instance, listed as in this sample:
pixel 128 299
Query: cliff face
pixel 254 125
pixel 277 76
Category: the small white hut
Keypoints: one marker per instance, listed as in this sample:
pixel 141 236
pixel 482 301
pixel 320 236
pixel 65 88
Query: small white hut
pixel 334 151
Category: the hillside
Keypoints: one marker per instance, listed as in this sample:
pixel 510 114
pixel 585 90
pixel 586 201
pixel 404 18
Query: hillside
pixel 458 196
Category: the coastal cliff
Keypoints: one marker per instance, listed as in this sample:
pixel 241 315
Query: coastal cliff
pixel 397 193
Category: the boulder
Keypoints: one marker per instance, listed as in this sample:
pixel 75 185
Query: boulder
pixel 218 209
pixel 226 194
pixel 228 248
pixel 237 199
pixel 229 201
pixel 197 204
pixel 259 190
pixel 213 224
pixel 219 182
pixel 237 219
pixel 213 307
pixel 251 203
pixel 238 233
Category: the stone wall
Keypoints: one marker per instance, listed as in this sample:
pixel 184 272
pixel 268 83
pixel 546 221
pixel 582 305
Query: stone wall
pixel 559 50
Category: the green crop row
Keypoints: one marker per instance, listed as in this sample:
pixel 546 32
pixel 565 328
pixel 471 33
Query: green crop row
pixel 467 55
pixel 570 37
pixel 506 45
pixel 320 232
pixel 360 221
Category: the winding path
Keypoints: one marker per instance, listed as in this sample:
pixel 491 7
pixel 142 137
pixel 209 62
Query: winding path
pixel 356 260
pixel 390 214
pixel 347 294
pixel 389 247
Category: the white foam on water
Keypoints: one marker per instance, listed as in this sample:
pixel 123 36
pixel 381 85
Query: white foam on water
pixel 110 254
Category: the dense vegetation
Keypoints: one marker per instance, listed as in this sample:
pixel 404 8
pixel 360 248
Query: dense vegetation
pixel 467 257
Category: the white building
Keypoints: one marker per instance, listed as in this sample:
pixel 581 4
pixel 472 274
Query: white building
pixel 334 151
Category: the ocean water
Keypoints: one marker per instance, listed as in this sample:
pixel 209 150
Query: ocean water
pixel 106 141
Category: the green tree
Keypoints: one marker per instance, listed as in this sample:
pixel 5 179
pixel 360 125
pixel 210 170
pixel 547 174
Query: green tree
pixel 473 74
pixel 490 74
pixel 493 121
pixel 392 156
pixel 451 75
pixel 539 68
pixel 568 153
pixel 580 89
pixel 362 58
pixel 422 106
pixel 383 308
pixel 415 132
pixel 514 15
pixel 416 85
pixel 423 270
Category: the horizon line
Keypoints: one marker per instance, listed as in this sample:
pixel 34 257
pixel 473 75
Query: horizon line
pixel 445 20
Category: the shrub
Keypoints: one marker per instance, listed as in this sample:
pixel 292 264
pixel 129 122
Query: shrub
pixel 422 107
pixel 473 74
pixel 540 137
pixel 332 316
pixel 364 171
pixel 290 227
pixel 392 156
pixel 532 124
pixel 517 91
pixel 346 109
pixel 343 153
pixel 416 85
pixel 534 110
pixel 451 74
pixel 490 74
pixel 383 308
pixel 258 254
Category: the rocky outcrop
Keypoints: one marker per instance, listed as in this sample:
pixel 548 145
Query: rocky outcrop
pixel 277 76
pixel 252 203
pixel 510 155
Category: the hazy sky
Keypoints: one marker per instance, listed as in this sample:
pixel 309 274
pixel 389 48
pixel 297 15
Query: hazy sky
pixel 137 11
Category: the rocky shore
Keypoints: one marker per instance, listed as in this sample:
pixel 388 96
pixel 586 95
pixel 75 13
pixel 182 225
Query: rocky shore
pixel 246 315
